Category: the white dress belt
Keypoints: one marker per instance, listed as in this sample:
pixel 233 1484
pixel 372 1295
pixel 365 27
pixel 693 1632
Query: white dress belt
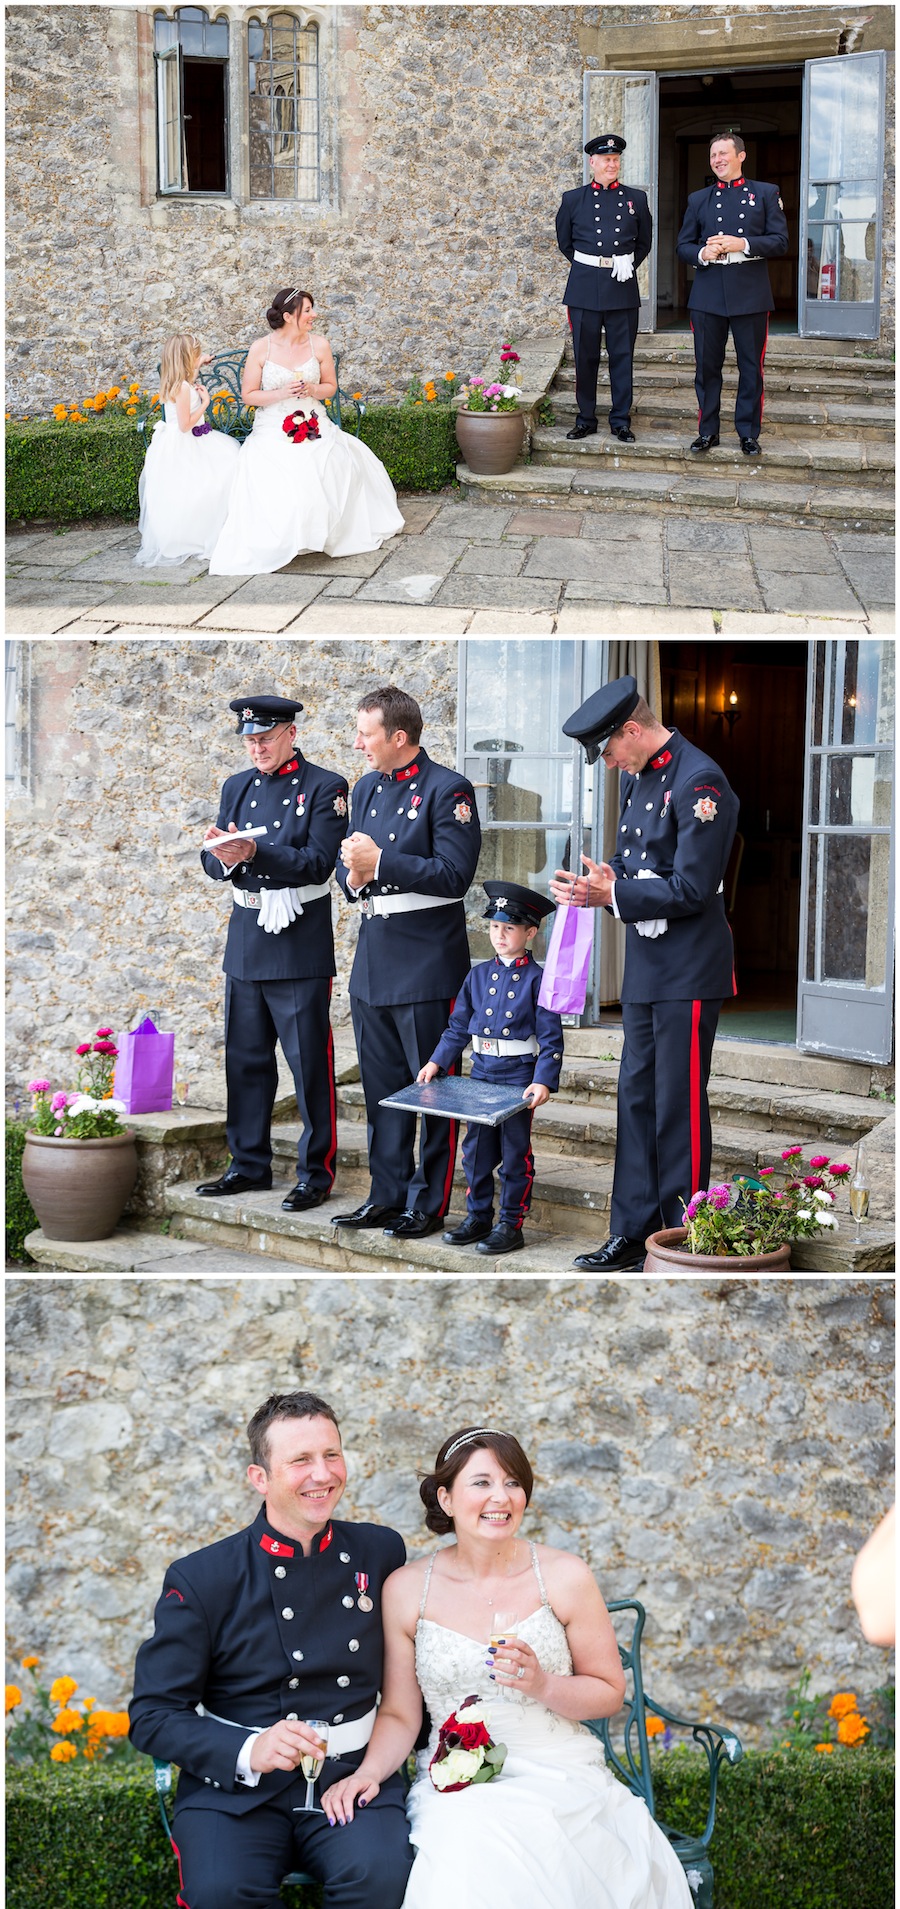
pixel 312 892
pixel 342 1737
pixel 499 1045
pixel 404 904
pixel 590 258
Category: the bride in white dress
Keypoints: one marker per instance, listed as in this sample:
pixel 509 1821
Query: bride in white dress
pixel 554 1827
pixel 328 491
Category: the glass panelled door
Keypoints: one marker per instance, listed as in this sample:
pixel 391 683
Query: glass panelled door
pixel 847 896
pixel 626 103
pixel 529 778
pixel 841 195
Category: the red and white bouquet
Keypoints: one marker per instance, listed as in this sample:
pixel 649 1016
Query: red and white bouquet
pixel 299 427
pixel 466 1752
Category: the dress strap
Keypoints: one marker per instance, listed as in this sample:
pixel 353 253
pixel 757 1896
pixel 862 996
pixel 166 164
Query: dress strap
pixel 537 1572
pixel 426 1584
pixel 268 349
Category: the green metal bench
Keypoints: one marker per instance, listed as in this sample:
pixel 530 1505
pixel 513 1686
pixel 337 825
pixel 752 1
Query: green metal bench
pixel 631 1762
pixel 225 373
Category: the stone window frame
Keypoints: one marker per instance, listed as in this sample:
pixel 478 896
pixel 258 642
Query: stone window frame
pixel 237 19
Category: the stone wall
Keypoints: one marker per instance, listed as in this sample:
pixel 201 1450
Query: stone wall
pixel 456 130
pixel 720 1449
pixel 109 911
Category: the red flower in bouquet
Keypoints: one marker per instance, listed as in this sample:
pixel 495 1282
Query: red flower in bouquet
pixel 466 1752
pixel 298 427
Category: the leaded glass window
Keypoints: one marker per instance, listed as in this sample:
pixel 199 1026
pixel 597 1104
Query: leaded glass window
pixel 284 108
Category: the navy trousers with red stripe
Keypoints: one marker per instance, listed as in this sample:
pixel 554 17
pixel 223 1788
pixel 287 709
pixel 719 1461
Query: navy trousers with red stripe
pixel 258 1014
pixel 663 1133
pixel 392 1044
pixel 750 331
pixel 507 1147
pixel 621 327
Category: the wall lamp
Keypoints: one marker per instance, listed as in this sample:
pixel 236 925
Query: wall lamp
pixel 731 712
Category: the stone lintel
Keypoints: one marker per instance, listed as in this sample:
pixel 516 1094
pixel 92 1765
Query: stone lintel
pixel 735 37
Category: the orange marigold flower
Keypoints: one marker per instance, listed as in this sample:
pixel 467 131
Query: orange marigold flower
pixel 134 387
pixel 59 412
pixel 117 1723
pixel 67 1722
pixel 63 1752
pixel 852 1729
pixel 131 410
pixel 356 396
pixel 90 1703
pixel 827 1748
pixel 98 1721
pixel 62 1689
pixel 449 377
pixel 842 1704
pixel 30 1663
pixel 655 1726
pixel 13 1697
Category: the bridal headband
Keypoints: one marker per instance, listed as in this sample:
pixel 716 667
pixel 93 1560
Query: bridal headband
pixel 467 1437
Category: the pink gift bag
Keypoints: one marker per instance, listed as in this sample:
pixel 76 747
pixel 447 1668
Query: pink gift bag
pixel 145 1069
pixel 564 985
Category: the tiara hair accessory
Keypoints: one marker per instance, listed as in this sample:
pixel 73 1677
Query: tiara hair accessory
pixel 466 1439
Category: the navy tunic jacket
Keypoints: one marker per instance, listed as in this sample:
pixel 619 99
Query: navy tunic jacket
pixel 497 1001
pixel 605 222
pixel 749 210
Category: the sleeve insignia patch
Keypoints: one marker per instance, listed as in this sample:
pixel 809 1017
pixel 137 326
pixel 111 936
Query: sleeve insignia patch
pixel 174 1593
pixel 340 804
pixel 462 812
pixel 705 810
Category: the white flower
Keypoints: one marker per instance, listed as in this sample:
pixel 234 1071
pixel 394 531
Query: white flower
pixel 458 1767
pixel 82 1104
pixel 823 1196
pixel 828 1219
pixel 804 1214
pixel 473 1713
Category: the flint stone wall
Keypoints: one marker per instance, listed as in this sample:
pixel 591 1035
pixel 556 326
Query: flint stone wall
pixel 720 1449
pixel 109 910
pixel 455 130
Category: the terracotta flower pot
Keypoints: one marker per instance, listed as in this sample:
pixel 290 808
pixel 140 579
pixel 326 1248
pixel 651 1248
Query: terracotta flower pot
pixel 490 441
pixel 667 1249
pixel 78 1188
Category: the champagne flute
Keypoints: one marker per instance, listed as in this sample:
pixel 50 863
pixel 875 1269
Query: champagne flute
pixel 311 1763
pixel 182 1089
pixel 504 1625
pixel 859 1200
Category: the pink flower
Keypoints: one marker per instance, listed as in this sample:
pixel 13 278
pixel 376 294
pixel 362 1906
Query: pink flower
pixel 105 1047
pixel 695 1204
pixel 39 1087
pixel 57 1131
pixel 85 1048
pixel 789 1153
pixel 103 1032
pixel 720 1197
pixel 58 1102
pixel 813 1179
pixel 819 1160
pixel 764 1170
pixel 839 1173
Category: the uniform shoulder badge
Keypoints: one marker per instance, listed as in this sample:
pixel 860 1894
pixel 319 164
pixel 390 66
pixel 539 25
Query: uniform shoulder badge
pixel 706 810
pixel 340 803
pixel 462 812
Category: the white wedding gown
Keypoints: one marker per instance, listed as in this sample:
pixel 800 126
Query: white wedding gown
pixel 328 494
pixel 554 1830
pixel 184 490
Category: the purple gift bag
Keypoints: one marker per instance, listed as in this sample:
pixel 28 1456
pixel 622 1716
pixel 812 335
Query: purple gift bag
pixel 564 985
pixel 144 1069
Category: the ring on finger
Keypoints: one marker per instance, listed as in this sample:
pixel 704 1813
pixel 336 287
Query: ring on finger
pixel 521 1671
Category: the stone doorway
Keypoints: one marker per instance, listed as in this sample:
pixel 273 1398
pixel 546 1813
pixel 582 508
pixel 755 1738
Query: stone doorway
pixel 764 104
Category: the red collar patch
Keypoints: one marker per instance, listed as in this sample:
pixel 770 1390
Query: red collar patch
pixel 522 961
pixel 288 768
pixel 405 775
pixel 326 1538
pixel 277 1547
pixel 659 762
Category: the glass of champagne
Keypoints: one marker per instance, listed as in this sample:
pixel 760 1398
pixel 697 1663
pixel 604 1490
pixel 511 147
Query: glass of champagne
pixel 504 1625
pixel 859 1199
pixel 182 1089
pixel 311 1763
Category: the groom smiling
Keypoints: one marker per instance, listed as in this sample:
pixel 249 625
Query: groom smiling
pixel 277 1623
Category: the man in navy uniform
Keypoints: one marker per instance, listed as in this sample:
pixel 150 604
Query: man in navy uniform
pixel 279 953
pixel 676 827
pixel 729 232
pixel 408 861
pixel 274 1624
pixel 516 1042
pixel 605 231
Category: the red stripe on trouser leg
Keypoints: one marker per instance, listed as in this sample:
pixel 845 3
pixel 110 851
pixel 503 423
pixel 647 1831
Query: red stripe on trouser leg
pixel 762 382
pixel 180 1899
pixel 699 412
pixel 332 1096
pixel 452 1138
pixel 572 331
pixel 695 1088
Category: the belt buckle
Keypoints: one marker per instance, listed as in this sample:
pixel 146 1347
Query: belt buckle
pixel 490 1046
pixel 253 901
pixel 364 905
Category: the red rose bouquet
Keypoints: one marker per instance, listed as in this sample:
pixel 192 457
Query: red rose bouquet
pixel 466 1752
pixel 299 427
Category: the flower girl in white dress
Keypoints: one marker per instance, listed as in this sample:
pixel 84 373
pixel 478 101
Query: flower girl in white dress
pixel 189 469
pixel 301 485
pixel 555 1827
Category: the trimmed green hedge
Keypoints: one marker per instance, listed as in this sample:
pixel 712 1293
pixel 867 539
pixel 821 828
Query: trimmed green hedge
pixel 792 1832
pixel 63 472
pixel 21 1218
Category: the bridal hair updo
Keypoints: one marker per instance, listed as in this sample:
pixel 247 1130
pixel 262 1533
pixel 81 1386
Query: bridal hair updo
pixel 284 304
pixel 455 1453
pixel 178 362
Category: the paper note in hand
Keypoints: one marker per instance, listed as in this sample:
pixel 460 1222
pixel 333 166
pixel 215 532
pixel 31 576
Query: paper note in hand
pixel 234 835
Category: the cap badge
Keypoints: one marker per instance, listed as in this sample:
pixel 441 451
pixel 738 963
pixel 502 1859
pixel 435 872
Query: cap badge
pixel 247 715
pixel 500 901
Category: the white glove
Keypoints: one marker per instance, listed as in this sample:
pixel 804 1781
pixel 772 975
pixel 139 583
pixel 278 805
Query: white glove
pixel 651 929
pixel 277 910
pixel 623 266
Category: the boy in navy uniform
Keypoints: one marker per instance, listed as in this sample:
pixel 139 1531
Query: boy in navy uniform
pixel 408 861
pixel 605 231
pixel 728 233
pixel 274 1624
pixel 279 953
pixel 676 827
pixel 516 1042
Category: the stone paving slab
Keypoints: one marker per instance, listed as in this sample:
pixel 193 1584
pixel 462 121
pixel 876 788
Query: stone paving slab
pixel 619 619
pixel 732 586
pixel 873 577
pixel 266 604
pixel 471 519
pixel 746 623
pixel 117 565
pixel 776 548
pixel 505 622
pixel 688 533
pixel 491 560
pixel 631 526
pixel 380 619
pixel 315 563
pixel 639 588
pixel 808 592
pixel 507 593
pixel 547 523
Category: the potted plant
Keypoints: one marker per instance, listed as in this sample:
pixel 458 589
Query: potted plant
pixel 490 428
pixel 79 1164
pixel 751 1222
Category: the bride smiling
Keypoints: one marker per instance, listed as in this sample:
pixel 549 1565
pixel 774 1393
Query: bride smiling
pixel 313 488
pixel 553 1826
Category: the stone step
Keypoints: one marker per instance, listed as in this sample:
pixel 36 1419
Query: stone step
pixel 842 356
pixel 835 387
pixel 821 461
pixel 619 482
pixel 656 410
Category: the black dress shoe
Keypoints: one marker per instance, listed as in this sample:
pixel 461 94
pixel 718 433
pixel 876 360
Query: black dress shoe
pixel 468 1232
pixel 624 435
pixel 502 1239
pixel 234 1182
pixel 414 1224
pixel 705 443
pixel 301 1198
pixel 618 1255
pixel 369 1214
pixel 583 430
pixel 750 447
